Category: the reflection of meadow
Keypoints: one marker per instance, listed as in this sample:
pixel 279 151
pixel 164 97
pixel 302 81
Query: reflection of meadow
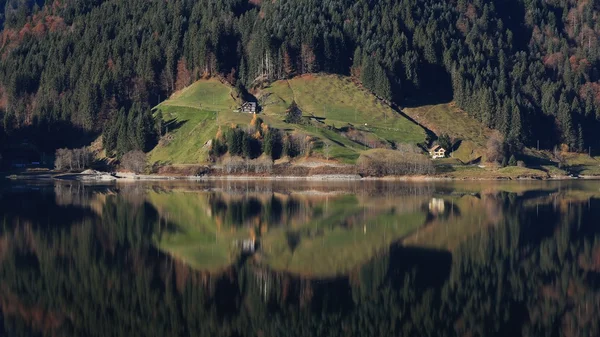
pixel 308 233
pixel 313 232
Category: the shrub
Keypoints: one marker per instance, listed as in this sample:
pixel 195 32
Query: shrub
pixel 293 114
pixel 239 165
pixel 217 149
pixel 233 165
pixel 134 161
pixel 445 142
pixel 512 161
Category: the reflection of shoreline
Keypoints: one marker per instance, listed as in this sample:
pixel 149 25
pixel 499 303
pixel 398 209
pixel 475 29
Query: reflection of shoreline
pixel 106 178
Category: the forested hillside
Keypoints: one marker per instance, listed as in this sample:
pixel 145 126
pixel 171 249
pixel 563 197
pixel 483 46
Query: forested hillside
pixel 529 68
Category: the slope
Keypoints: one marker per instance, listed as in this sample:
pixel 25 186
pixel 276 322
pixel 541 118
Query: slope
pixel 190 121
pixel 193 116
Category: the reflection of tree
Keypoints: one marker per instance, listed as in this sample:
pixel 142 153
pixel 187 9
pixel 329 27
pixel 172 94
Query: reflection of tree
pixel 293 240
pixel 239 211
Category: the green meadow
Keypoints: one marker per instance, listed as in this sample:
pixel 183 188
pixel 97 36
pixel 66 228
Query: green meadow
pixel 193 116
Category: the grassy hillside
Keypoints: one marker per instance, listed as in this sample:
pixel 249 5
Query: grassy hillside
pixel 341 117
pixel 341 102
pixel 190 121
pixel 193 116
pixel 445 118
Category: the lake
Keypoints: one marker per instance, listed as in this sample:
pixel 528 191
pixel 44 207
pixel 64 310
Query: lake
pixel 234 258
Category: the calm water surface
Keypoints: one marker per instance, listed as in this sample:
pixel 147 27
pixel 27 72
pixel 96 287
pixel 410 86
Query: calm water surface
pixel 300 259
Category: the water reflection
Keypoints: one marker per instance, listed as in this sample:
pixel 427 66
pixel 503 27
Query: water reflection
pixel 450 259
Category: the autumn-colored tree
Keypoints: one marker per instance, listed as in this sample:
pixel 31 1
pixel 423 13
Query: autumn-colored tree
pixel 288 65
pixel 309 60
pixel 184 76
pixel 231 77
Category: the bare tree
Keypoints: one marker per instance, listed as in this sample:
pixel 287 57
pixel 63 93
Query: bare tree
pixel 73 159
pixel 134 161
pixel 496 148
pixel 233 164
pixel 559 156
pixel 327 150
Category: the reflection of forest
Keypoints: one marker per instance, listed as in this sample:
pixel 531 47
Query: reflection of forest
pixel 534 272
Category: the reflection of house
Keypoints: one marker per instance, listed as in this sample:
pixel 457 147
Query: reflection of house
pixel 437 152
pixel 436 206
pixel 249 107
pixel 248 246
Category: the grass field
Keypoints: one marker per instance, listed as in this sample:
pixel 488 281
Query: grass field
pixel 193 116
pixel 446 118
pixel 583 164
pixel 190 117
pixel 341 102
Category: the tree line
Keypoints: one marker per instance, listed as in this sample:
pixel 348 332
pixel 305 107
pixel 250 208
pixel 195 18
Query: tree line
pixel 529 68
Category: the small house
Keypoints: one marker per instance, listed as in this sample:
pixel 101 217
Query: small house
pixel 249 107
pixel 437 152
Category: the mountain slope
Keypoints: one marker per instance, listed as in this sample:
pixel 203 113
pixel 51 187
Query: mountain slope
pixel 193 116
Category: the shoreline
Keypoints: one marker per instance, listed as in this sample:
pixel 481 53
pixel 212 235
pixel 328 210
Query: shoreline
pixel 102 177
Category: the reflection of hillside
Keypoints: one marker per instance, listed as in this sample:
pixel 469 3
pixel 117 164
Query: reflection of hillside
pixel 312 233
pixel 344 236
pixel 463 217
pixel 466 215
pixel 325 234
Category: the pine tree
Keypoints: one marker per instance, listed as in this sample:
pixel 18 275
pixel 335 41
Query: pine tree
pixel 580 139
pixel 267 145
pixel 159 123
pixel 368 73
pixel 566 121
pixel 122 136
pixel 383 85
pixel 357 60
pixel 515 133
pixel 247 145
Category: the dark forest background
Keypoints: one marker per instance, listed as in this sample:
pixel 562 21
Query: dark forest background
pixel 70 68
